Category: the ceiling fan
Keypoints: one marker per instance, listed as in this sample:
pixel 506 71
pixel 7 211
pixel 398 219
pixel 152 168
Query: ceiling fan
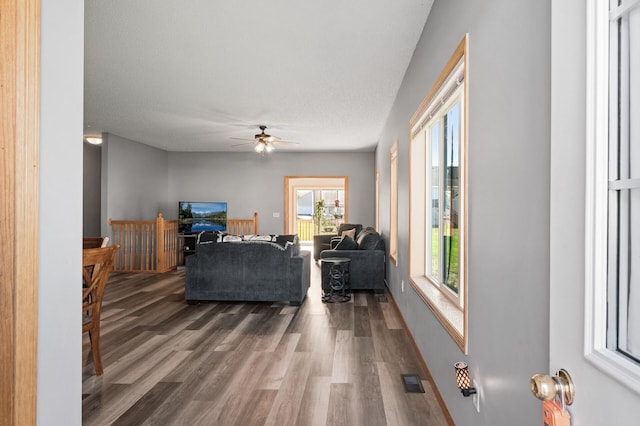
pixel 264 142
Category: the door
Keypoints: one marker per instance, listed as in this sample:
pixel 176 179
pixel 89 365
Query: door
pixel 303 216
pixel 601 398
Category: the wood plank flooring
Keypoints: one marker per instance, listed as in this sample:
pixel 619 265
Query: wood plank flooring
pixel 169 363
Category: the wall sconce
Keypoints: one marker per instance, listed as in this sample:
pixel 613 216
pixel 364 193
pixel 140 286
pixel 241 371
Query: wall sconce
pixel 93 140
pixel 463 379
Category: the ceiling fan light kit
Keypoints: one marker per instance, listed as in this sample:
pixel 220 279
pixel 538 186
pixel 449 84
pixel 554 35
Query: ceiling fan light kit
pixel 263 147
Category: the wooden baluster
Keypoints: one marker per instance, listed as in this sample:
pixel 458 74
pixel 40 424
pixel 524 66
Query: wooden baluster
pixel 128 234
pixel 160 254
pixel 255 223
pixel 148 249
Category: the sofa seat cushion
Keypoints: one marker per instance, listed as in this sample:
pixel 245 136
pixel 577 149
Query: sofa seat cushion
pixel 366 269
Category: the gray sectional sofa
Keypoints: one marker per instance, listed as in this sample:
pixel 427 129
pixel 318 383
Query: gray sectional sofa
pixel 367 266
pixel 248 271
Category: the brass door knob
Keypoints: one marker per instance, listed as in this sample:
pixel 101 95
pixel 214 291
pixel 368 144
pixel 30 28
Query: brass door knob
pixel 543 387
pixel 546 387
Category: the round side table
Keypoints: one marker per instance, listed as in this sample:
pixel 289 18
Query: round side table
pixel 337 290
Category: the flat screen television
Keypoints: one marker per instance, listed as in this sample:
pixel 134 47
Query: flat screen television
pixel 196 216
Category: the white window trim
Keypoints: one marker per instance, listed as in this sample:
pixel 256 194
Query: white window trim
pixel 596 352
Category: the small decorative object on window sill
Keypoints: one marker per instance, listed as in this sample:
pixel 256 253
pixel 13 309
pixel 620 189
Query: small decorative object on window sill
pixel 463 379
pixel 337 213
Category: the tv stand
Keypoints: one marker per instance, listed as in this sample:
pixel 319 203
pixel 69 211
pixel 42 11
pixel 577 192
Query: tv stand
pixel 186 246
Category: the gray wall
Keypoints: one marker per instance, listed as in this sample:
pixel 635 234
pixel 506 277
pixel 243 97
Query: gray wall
pixel 59 393
pixel 139 181
pixel 254 183
pixel 91 168
pixel 508 275
pixel 134 181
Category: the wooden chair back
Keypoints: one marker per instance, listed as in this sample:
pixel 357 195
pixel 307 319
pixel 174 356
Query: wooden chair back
pixel 94 242
pixel 96 265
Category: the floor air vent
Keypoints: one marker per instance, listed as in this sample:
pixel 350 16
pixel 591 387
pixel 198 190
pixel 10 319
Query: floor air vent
pixel 412 383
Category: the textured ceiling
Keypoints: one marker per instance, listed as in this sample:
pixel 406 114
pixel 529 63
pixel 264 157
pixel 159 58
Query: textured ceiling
pixel 190 75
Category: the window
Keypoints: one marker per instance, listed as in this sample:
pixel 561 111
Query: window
pixel 613 202
pixel 624 181
pixel 437 236
pixel 393 216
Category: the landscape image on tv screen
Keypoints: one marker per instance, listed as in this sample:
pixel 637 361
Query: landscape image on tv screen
pixel 201 216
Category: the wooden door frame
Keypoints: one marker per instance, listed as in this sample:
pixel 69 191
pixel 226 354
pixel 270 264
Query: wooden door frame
pixel 19 164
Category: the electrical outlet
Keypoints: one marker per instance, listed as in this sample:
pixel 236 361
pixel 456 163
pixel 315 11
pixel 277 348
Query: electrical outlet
pixel 476 397
pixel 402 286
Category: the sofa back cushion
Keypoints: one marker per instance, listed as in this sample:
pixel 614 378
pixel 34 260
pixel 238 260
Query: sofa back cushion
pixel 369 239
pixel 289 240
pixel 206 237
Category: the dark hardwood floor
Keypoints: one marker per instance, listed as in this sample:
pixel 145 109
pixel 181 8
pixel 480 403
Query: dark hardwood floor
pixel 166 362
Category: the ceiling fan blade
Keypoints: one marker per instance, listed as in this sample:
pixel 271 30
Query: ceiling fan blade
pixel 285 143
pixel 243 144
pixel 244 139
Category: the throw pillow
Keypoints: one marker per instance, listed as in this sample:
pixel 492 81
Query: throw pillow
pixel 258 238
pixel 347 243
pixel 205 237
pixel 351 233
pixel 282 239
pixel 362 235
pixel 370 240
pixel 347 226
pixel 231 238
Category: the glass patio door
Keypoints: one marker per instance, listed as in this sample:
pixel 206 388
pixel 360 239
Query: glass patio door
pixel 315 205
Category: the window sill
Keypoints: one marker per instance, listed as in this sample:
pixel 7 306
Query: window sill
pixel 448 313
pixel 616 366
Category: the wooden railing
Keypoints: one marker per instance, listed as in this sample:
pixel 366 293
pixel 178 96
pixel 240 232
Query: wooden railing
pixel 307 228
pixel 145 245
pixel 154 246
pixel 243 226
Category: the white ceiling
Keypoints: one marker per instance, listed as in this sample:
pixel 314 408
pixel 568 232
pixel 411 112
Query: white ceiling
pixel 190 75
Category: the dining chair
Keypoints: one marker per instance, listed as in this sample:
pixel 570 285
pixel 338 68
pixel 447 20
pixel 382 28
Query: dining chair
pixel 96 265
pixel 94 242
